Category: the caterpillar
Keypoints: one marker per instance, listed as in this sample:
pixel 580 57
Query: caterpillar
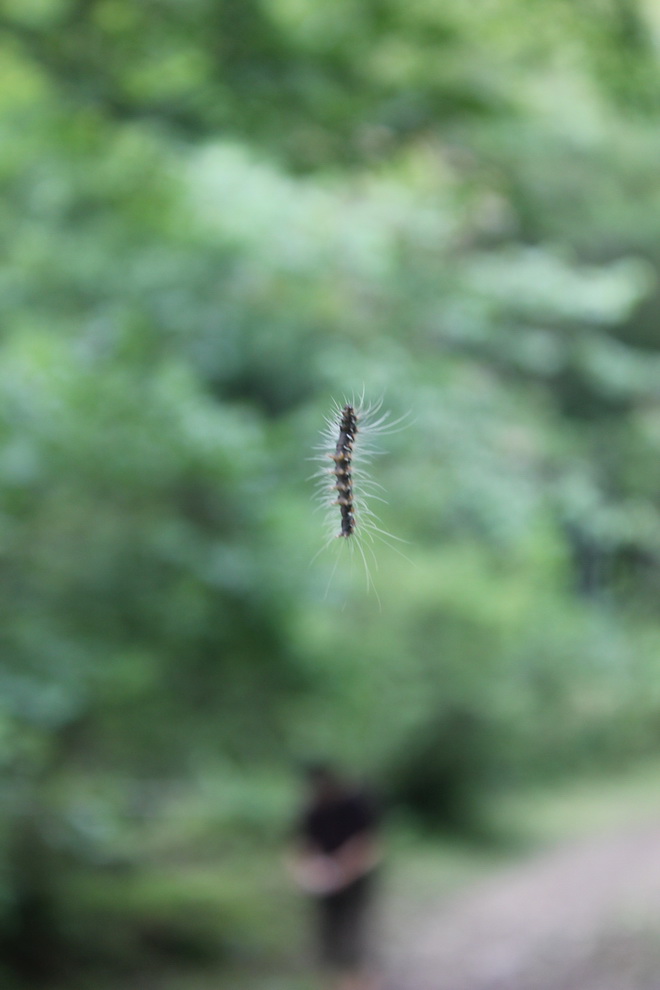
pixel 344 489
pixel 343 469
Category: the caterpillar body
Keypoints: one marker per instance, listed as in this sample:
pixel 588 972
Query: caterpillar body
pixel 343 458
pixel 343 487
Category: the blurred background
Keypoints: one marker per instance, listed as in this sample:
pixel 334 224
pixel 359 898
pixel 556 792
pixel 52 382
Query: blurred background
pixel 218 216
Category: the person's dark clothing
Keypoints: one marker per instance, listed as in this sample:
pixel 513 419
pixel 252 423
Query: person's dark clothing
pixel 343 924
pixel 328 825
pixel 342 916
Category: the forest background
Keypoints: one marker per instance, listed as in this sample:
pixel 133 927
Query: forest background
pixel 218 217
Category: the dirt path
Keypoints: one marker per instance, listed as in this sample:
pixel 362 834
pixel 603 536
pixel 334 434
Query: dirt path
pixel 585 916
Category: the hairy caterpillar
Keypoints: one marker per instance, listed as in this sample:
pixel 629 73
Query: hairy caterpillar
pixel 343 487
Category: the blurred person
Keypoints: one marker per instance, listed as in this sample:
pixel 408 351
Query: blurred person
pixel 334 861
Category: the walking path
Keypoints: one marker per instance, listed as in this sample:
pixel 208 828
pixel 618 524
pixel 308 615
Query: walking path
pixel 584 916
